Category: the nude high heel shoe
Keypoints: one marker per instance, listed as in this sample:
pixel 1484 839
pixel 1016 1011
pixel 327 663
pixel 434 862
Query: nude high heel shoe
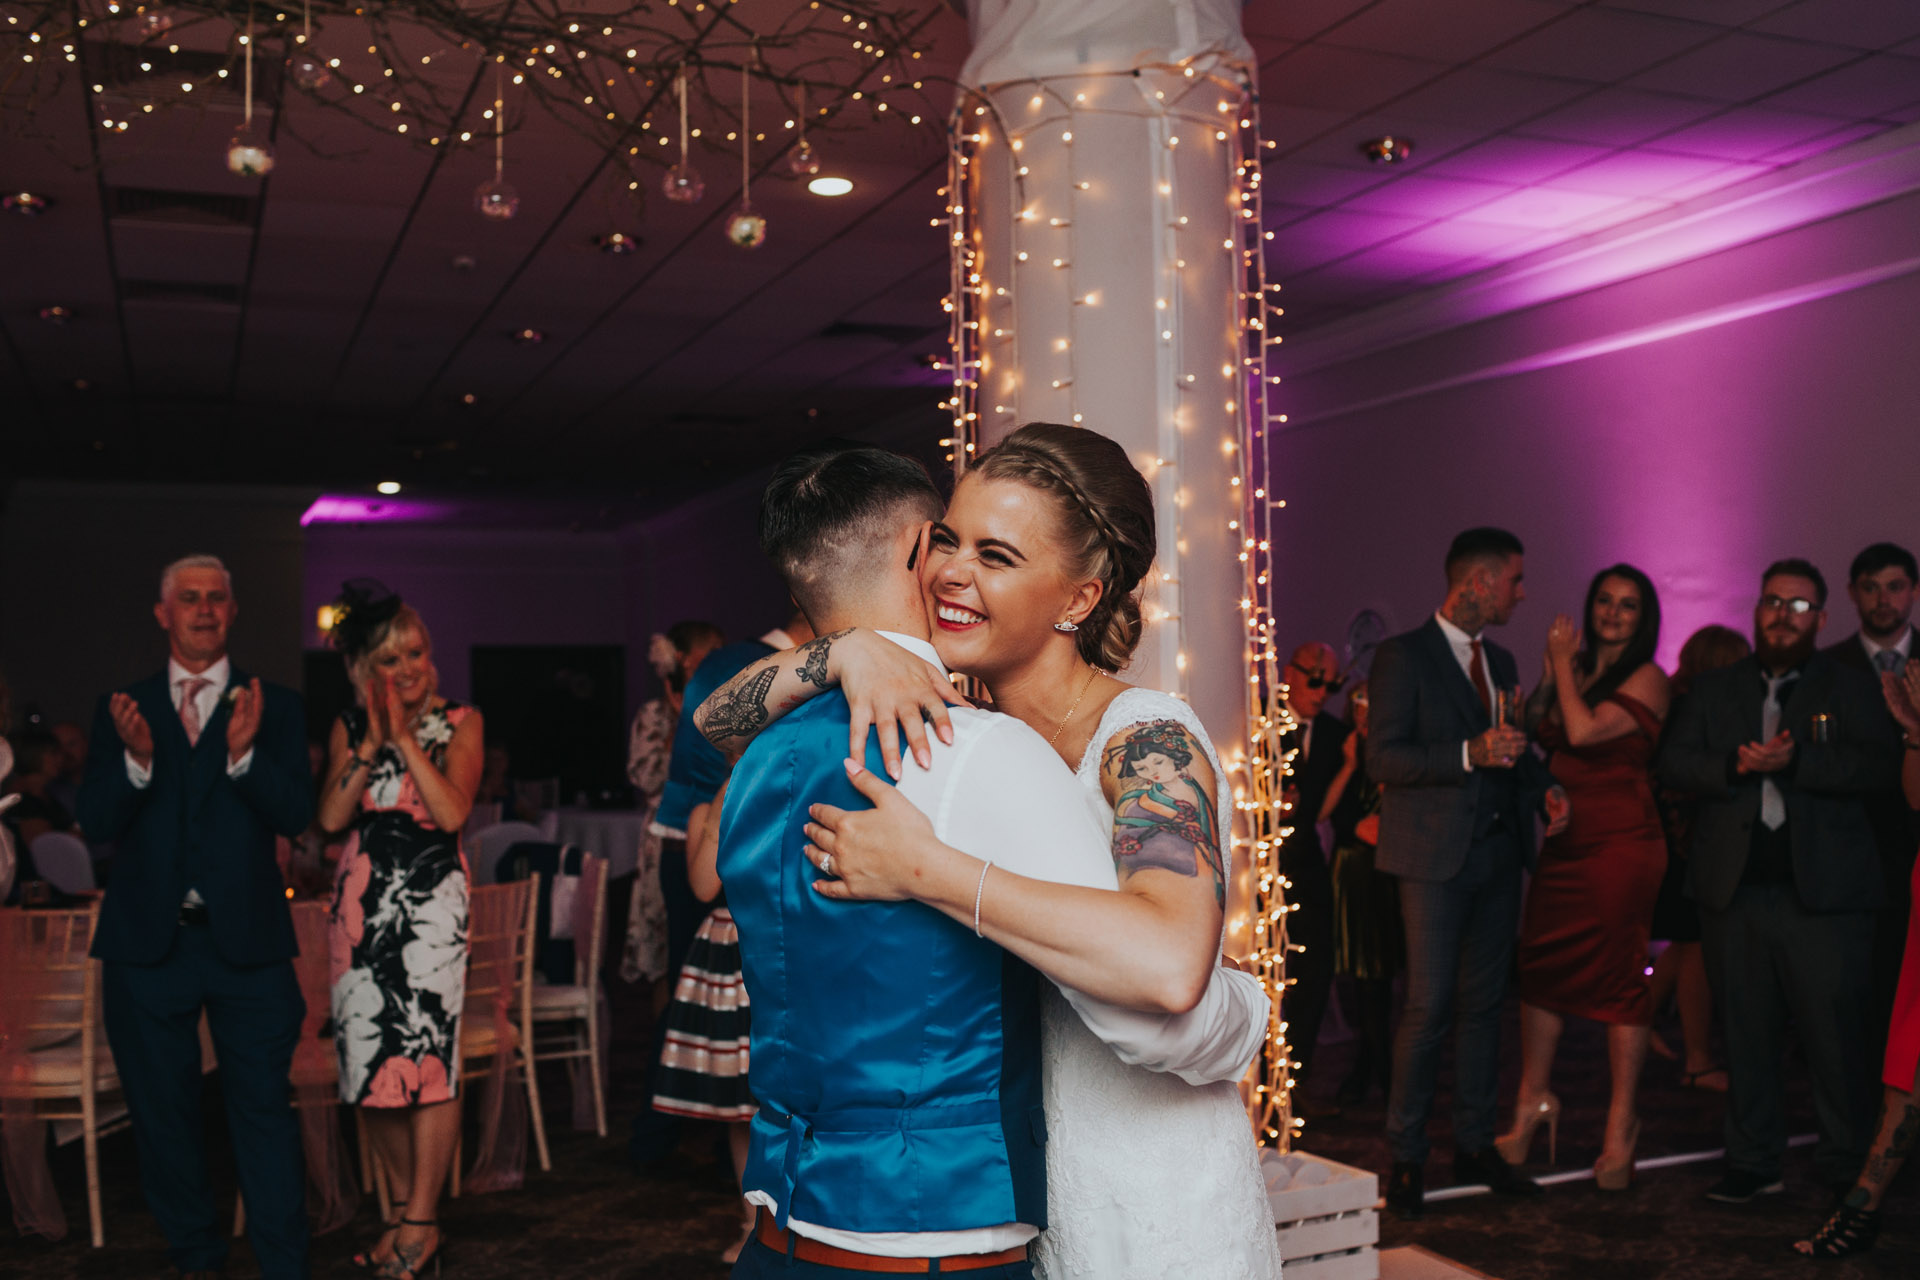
pixel 1514 1145
pixel 1618 1175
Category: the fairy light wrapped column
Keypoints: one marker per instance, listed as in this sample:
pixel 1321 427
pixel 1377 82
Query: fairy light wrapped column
pixel 1107 271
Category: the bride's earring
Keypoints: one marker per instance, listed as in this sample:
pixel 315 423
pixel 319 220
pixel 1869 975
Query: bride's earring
pixel 1069 626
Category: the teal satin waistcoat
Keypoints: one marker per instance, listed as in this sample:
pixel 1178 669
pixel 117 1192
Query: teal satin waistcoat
pixel 895 1056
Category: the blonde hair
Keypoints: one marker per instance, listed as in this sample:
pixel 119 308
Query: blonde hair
pixel 386 638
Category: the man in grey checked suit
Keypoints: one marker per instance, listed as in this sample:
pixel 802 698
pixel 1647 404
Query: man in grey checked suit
pixel 1459 794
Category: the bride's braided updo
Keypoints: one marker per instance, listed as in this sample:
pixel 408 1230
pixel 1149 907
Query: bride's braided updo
pixel 1104 509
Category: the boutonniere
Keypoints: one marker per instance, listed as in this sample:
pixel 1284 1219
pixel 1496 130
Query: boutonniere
pixel 232 695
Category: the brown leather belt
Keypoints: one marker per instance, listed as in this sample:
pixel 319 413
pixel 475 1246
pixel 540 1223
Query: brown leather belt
pixel 826 1255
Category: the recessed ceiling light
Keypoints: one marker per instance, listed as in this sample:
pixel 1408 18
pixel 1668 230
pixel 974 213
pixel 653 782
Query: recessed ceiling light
pixel 464 262
pixel 55 315
pixel 469 398
pixel 618 243
pixel 830 186
pixel 1391 149
pixel 528 337
pixel 25 203
pixel 388 486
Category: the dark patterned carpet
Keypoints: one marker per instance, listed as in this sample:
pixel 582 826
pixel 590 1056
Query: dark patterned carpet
pixel 593 1217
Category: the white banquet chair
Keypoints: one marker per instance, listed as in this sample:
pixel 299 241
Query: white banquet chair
pixel 64 862
pixel 570 1013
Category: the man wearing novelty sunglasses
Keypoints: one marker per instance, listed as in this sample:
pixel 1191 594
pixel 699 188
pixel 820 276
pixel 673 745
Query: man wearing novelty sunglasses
pixel 1781 750
pixel 1320 748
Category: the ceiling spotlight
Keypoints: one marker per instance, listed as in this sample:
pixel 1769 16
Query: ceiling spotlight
pixel 469 398
pixel 24 203
pixel 1387 150
pixel 618 243
pixel 388 487
pixel 55 315
pixel 464 262
pixel 830 186
pixel 528 337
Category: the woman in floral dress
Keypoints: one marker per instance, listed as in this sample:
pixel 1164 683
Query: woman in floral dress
pixel 404 767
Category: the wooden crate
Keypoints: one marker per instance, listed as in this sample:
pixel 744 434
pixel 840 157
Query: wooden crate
pixel 1326 1214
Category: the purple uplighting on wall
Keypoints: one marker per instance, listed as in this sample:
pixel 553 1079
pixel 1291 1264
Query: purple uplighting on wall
pixel 339 508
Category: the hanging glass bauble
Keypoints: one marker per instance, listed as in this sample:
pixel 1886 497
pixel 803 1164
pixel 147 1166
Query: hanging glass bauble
pixel 308 70
pixel 497 199
pixel 683 184
pixel 747 228
pixel 249 154
pixel 151 24
pixel 803 161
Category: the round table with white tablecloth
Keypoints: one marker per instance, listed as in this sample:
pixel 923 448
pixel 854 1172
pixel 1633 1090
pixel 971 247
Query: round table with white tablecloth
pixel 620 836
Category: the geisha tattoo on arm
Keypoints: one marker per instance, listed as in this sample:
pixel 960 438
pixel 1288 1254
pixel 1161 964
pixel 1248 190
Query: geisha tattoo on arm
pixel 1163 817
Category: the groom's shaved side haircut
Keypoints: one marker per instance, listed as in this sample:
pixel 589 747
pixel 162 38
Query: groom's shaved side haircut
pixel 830 514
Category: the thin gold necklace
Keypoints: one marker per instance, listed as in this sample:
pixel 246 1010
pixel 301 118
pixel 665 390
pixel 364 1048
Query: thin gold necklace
pixel 1091 673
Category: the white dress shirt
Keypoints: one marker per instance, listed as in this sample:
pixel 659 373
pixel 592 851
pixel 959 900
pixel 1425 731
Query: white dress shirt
pixel 999 792
pixel 1903 646
pixel 1462 645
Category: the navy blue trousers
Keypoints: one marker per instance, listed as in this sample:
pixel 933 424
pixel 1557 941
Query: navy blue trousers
pixel 254 1012
pixel 757 1262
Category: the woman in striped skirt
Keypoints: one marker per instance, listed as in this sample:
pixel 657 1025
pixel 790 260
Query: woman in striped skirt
pixel 703 1063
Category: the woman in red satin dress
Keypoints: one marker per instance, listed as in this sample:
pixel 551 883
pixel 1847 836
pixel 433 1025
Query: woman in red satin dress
pixel 1583 941
pixel 1855 1222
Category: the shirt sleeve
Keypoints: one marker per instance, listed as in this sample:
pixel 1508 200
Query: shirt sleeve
pixel 238 769
pixel 1013 801
pixel 138 774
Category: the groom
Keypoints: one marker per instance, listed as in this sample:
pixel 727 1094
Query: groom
pixel 895 1052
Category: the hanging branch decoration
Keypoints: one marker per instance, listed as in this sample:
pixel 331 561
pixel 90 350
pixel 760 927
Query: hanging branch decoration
pixel 249 154
pixel 746 228
pixel 405 68
pixel 497 199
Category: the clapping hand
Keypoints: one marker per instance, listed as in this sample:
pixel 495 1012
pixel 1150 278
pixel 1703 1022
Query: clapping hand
pixel 1563 640
pixel 244 722
pixel 377 695
pixel 1771 756
pixel 1903 698
pixel 132 728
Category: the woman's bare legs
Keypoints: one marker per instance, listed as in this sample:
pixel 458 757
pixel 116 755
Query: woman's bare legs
pixel 739 1138
pixel 1626 1055
pixel 1893 1141
pixel 435 1133
pixel 1539 1041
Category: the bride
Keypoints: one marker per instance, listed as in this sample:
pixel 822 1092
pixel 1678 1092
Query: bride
pixel 1031 585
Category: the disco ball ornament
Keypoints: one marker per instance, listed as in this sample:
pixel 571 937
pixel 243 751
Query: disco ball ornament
pixel 249 154
pixel 308 70
pixel 683 184
pixel 803 161
pixel 497 200
pixel 747 229
pixel 151 24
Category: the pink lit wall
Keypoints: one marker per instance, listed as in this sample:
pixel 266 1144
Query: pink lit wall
pixel 1697 420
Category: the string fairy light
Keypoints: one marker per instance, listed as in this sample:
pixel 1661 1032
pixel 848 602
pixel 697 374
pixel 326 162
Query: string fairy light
pixel 1014 170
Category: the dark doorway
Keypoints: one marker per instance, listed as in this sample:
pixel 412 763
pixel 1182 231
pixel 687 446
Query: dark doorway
pixel 560 710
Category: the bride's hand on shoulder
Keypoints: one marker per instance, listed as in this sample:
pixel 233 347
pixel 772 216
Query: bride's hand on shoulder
pixel 870 855
pixel 891 689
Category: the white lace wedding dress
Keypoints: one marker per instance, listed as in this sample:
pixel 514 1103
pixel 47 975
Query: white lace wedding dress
pixel 1148 1177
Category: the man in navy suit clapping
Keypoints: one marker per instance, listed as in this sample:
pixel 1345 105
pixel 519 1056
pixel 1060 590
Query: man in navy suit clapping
pixel 213 765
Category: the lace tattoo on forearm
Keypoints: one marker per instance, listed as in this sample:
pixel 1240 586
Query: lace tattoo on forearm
pixel 739 709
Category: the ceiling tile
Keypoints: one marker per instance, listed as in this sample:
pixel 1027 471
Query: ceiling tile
pixel 1740 67
pixel 1323 76
pixel 1481 98
pixel 1317 184
pixel 1333 234
pixel 1443 28
pixel 1726 13
pixel 1342 148
pixel 1299 19
pixel 1716 181
pixel 1543 207
pixel 1601 44
pixel 1621 213
pixel 1638 174
pixel 1454 236
pixel 1291 127
pixel 1515 161
pixel 1857 90
pixel 1618 117
pixel 1424 197
pixel 1864 24
pixel 1826 142
pixel 1744 133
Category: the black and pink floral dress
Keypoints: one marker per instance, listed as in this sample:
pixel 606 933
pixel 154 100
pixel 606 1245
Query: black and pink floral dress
pixel 398 942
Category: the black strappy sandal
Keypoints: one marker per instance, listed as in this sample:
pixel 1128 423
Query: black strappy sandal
pixel 1847 1232
pixel 366 1261
pixel 402 1267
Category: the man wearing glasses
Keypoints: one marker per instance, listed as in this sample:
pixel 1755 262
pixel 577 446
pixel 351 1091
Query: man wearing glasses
pixel 1781 749
pixel 1321 753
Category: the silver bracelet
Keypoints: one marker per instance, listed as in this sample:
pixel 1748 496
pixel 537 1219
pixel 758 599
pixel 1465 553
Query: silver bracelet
pixel 979 889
